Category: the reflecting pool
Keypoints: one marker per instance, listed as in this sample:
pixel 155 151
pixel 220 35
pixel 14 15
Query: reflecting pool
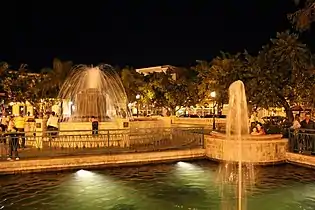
pixel 182 185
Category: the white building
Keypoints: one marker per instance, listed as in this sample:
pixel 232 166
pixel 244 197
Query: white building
pixel 158 69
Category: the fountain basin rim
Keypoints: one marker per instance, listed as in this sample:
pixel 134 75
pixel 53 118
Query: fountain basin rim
pixel 256 163
pixel 250 137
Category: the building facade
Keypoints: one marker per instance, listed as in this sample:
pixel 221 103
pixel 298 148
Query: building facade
pixel 158 69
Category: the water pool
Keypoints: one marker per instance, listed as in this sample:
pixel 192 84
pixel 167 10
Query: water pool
pixel 162 187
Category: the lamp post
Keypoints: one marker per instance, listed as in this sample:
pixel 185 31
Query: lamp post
pixel 213 95
pixel 137 98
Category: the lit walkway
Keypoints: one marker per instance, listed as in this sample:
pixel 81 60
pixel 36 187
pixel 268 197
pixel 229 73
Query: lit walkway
pixel 47 153
pixel 99 161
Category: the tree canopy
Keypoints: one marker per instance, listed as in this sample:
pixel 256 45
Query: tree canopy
pixel 21 85
pixel 304 17
pixel 170 92
pixel 281 74
pixel 161 88
pixel 132 82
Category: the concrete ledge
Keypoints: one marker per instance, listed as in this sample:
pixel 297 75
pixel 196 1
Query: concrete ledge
pixel 261 163
pixel 24 166
pixel 252 138
pixel 300 159
pixel 130 159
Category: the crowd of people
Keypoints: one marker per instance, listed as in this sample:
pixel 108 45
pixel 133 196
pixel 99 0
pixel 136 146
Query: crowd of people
pixel 13 128
pixel 307 123
pixel 12 131
pixel 257 127
pixel 258 130
pixel 303 133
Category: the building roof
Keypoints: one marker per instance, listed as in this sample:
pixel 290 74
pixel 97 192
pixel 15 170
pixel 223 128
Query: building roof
pixel 26 73
pixel 148 70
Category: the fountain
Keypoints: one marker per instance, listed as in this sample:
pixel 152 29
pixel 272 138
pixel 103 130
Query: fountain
pixel 93 92
pixel 239 151
pixel 237 129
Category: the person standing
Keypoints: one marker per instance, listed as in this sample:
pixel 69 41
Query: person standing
pixel 296 123
pixel 296 126
pixel 2 134
pixel 52 124
pixel 13 140
pixel 5 121
pixel 307 123
pixel 20 125
pixel 94 126
pixel 307 139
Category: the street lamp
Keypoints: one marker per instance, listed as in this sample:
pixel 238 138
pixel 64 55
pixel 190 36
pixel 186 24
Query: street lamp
pixel 137 98
pixel 213 95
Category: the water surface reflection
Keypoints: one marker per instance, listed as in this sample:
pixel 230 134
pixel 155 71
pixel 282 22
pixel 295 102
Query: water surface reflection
pixel 167 186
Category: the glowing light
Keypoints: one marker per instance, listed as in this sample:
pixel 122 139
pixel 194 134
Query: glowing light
pixel 84 173
pixel 213 94
pixel 185 165
pixel 138 96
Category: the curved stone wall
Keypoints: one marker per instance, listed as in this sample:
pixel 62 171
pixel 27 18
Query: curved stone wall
pixel 267 149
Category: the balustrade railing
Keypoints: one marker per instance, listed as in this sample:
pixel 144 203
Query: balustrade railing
pixel 80 142
pixel 302 141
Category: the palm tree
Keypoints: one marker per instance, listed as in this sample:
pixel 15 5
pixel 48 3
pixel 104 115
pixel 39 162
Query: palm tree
pixel 304 17
pixel 55 77
pixel 3 71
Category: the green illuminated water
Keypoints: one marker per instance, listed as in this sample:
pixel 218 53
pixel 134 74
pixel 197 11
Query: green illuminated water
pixel 190 186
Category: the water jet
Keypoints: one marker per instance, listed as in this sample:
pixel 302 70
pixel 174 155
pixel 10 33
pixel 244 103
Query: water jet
pixel 94 91
pixel 239 152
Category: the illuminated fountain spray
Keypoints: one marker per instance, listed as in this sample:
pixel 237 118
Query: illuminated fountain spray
pixel 94 92
pixel 235 175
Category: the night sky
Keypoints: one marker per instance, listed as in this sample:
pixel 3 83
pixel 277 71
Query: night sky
pixel 137 33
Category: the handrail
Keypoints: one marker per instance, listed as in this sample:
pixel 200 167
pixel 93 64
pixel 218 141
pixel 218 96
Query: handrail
pixel 302 141
pixel 301 129
pixel 107 141
pixel 104 130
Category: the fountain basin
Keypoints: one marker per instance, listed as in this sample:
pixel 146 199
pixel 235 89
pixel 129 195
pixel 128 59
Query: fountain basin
pixel 265 149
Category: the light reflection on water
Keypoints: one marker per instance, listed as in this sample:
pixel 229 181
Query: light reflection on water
pixel 161 187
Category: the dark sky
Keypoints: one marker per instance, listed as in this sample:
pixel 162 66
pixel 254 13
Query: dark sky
pixel 136 33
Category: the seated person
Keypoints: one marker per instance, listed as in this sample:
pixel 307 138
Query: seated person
pixel 52 125
pixel 254 132
pixel 260 130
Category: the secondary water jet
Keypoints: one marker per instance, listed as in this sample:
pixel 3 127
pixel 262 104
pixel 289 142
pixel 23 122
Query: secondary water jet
pixel 235 172
pixel 239 152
